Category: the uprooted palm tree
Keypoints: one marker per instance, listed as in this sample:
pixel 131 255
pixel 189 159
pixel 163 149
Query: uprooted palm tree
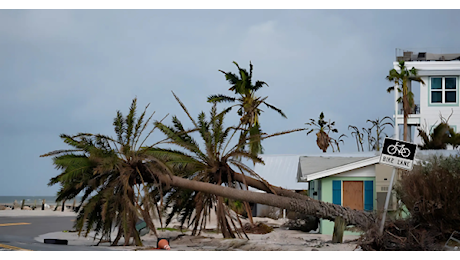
pixel 213 163
pixel 248 104
pixel 108 167
pixel 212 167
pixel 111 168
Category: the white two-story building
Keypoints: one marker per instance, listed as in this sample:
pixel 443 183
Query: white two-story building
pixel 439 95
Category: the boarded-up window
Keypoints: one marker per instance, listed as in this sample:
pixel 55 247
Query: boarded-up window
pixel 353 195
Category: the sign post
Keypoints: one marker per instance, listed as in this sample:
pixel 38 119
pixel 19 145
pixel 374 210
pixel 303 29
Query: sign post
pixel 398 154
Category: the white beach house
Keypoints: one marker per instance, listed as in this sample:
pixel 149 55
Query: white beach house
pixel 438 96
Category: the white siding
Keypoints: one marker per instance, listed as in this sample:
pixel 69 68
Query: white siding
pixel 430 115
pixel 368 171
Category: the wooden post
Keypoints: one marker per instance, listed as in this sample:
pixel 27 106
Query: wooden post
pixel 73 205
pixel 22 205
pixel 43 204
pixel 63 206
pixel 339 229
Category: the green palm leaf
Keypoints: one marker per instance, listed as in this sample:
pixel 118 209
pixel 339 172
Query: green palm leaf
pixel 220 98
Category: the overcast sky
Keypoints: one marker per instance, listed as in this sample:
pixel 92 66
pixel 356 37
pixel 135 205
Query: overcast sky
pixel 70 71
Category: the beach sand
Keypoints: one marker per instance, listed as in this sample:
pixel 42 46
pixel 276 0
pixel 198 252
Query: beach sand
pixel 278 240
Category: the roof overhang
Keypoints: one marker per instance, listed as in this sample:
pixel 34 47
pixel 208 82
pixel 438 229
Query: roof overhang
pixel 340 169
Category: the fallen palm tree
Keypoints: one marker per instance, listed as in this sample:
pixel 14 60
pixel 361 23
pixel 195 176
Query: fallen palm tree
pixel 130 180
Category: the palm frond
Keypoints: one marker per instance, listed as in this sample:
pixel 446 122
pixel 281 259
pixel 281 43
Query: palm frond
pixel 389 89
pixel 283 133
pixel 119 124
pixel 130 119
pixel 137 129
pixel 185 109
pixel 181 139
pixel 220 98
pixel 276 109
pixel 258 85
pixel 61 151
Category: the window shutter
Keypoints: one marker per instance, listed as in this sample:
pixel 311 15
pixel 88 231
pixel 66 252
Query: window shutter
pixel 337 192
pixel 369 195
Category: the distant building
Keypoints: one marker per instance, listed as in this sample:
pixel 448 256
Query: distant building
pixel 439 94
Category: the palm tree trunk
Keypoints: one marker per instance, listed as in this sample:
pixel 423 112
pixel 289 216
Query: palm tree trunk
pixel 262 186
pixel 406 111
pixel 311 207
pixel 405 127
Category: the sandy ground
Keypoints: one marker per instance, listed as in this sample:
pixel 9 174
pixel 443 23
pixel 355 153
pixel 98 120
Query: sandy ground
pixel 278 240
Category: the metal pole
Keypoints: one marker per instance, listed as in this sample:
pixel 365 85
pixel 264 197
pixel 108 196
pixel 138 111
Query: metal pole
pixel 390 188
pixel 396 127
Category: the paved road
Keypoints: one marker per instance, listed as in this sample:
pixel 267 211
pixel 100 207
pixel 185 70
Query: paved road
pixel 15 237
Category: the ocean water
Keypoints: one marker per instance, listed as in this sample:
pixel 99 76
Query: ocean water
pixel 30 200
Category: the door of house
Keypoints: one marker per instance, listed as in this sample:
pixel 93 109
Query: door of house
pixel 353 194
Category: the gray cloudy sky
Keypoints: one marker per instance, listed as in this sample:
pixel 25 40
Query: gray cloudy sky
pixel 69 71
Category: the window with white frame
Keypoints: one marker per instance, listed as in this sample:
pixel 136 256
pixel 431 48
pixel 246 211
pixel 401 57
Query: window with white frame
pixel 443 90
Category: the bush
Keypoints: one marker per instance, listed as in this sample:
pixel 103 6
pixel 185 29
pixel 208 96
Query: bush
pixel 431 193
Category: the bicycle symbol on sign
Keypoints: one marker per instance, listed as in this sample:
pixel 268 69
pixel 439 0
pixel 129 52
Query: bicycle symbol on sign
pixel 403 151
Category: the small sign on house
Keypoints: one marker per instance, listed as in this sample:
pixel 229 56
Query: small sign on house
pixel 398 153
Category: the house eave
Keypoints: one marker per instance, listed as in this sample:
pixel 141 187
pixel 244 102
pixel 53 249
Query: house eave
pixel 340 169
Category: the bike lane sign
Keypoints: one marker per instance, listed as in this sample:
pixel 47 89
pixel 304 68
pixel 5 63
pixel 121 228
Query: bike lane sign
pixel 398 153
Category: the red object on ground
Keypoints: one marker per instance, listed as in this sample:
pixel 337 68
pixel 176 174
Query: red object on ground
pixel 163 244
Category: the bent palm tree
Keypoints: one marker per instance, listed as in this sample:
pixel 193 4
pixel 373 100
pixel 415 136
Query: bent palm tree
pixel 337 142
pixel 358 136
pixel 379 126
pixel 111 168
pixel 402 78
pixel 212 164
pixel 248 104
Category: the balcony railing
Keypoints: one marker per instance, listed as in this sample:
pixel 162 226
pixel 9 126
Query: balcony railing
pixel 414 110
